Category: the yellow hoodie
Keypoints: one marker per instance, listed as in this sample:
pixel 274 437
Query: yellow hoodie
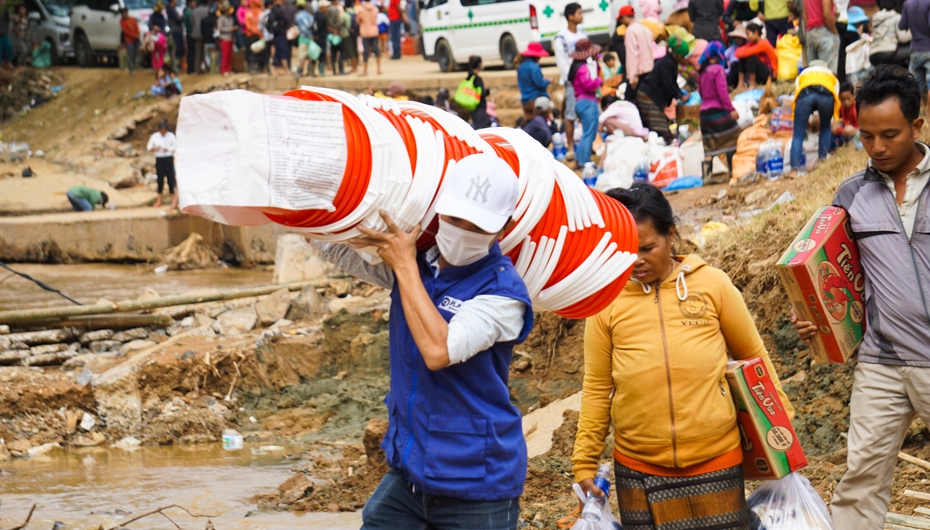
pixel 663 355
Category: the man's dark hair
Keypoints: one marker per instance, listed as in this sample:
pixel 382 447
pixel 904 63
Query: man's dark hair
pixel 888 5
pixel 473 62
pixel 571 9
pixel 647 203
pixel 890 81
pixel 755 28
pixel 846 86
pixel 104 199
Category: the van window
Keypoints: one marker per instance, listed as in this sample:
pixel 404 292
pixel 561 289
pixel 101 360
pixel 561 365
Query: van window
pixel 469 3
pixel 436 3
pixel 58 8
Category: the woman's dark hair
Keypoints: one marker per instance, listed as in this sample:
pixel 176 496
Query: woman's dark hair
pixel 571 9
pixel 104 199
pixel 473 63
pixel 647 203
pixel 890 81
pixel 846 86
pixel 556 113
pixel 755 28
pixel 607 101
pixel 888 5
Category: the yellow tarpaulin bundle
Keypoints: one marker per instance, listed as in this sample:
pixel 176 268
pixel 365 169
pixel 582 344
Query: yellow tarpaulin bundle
pixel 788 51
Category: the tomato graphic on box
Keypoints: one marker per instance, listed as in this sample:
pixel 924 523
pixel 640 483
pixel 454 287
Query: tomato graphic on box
pixel 826 285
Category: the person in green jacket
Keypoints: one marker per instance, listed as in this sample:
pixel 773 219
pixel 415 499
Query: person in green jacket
pixel 83 198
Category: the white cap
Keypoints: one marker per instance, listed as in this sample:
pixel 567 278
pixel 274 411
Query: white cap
pixel 481 189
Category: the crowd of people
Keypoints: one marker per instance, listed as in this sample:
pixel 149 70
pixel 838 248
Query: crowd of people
pixel 279 37
pixel 655 359
pixel 721 49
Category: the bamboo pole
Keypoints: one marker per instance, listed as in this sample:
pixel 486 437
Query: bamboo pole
pixel 905 520
pixel 114 321
pixel 29 315
pixel 914 460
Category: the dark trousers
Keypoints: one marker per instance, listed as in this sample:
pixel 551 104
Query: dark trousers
pixel 191 55
pixel 396 28
pixel 336 57
pixel 164 170
pixel 900 57
pixel 749 65
pixel 776 27
pixel 198 57
pixel 178 46
pixel 395 505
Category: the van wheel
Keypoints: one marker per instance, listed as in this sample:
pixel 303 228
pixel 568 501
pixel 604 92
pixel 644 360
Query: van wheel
pixel 509 51
pixel 444 56
pixel 83 53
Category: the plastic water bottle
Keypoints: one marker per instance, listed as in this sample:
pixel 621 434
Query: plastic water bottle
pixel 594 505
pixel 641 171
pixel 762 160
pixel 589 174
pixel 776 161
pixel 232 440
pixel 558 146
pixel 579 132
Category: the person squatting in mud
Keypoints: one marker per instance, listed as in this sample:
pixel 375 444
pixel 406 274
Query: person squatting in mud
pixel 454 442
pixel 889 212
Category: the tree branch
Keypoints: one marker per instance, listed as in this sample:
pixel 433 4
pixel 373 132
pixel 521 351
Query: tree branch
pixel 153 512
pixel 26 522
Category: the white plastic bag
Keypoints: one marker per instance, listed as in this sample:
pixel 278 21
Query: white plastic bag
pixel 607 522
pixel 789 503
pixel 623 153
pixel 744 108
pixel 664 165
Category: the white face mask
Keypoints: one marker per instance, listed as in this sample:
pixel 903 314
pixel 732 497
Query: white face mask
pixel 462 247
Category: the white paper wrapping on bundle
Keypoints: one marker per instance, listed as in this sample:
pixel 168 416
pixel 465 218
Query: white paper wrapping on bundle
pixel 240 150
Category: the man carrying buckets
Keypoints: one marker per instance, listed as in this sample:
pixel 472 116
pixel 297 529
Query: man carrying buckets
pixel 454 442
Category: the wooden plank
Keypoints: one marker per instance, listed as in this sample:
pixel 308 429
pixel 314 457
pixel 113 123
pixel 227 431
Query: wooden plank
pixel 908 521
pixel 889 526
pixel 922 510
pixel 914 460
pixel 917 495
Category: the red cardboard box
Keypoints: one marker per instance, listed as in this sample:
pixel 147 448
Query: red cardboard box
pixel 825 283
pixel 771 448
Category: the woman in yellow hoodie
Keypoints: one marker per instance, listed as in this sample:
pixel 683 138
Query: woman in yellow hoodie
pixel 655 365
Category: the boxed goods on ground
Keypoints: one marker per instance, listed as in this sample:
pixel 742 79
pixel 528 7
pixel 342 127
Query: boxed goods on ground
pixel 771 448
pixel 825 283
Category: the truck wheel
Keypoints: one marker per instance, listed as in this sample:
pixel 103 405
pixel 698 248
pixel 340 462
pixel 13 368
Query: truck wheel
pixel 83 53
pixel 444 56
pixel 509 51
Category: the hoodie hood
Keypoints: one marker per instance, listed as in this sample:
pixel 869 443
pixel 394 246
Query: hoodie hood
pixel 882 16
pixel 678 279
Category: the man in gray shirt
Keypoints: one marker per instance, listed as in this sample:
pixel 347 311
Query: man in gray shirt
pixel 200 12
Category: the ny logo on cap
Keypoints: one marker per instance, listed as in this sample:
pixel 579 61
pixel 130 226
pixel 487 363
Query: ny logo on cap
pixel 479 186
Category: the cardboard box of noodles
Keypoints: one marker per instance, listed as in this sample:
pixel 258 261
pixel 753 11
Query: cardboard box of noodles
pixel 824 281
pixel 771 448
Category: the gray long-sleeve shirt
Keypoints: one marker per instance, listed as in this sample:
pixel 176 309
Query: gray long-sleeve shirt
pixel 479 323
pixel 915 16
pixel 200 13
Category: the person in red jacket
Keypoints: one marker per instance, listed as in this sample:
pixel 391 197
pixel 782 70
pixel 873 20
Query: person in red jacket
pixel 757 59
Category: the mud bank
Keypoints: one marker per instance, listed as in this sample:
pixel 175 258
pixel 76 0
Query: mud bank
pixel 130 235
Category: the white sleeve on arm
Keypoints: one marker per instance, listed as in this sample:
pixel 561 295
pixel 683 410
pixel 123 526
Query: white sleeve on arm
pixel 480 323
pixel 558 49
pixel 349 261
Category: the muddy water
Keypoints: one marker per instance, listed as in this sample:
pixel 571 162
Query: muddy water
pixel 87 283
pixel 91 487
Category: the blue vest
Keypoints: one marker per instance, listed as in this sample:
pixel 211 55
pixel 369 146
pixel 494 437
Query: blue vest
pixel 454 432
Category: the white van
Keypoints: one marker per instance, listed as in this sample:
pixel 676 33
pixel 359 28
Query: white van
pixel 498 30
